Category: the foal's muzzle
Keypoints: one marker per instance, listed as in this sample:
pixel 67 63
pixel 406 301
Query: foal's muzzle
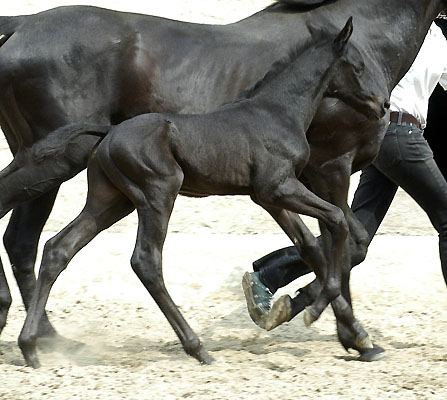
pixel 377 107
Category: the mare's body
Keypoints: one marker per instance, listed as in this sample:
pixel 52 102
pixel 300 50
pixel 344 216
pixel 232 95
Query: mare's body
pixel 99 66
pixel 255 146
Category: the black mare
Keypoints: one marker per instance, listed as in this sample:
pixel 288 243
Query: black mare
pixel 138 64
pixel 255 146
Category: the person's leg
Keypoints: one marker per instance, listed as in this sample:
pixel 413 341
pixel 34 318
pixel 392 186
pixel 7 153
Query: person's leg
pixel 279 268
pixel 372 200
pixel 419 175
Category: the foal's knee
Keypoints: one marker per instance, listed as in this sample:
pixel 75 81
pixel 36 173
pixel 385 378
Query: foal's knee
pixel 338 224
pixel 359 249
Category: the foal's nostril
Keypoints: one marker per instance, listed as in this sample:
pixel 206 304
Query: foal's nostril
pixel 386 104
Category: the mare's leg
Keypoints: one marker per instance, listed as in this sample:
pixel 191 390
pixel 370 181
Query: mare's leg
pixel 105 205
pixel 294 196
pixel 21 240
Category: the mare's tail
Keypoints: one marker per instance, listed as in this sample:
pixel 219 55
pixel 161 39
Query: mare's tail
pixel 9 25
pixel 57 141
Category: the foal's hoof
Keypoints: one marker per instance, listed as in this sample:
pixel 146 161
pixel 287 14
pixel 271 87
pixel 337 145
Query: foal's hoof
pixel 204 357
pixel 29 354
pixel 257 296
pixel 309 317
pixel 280 312
pixel 363 342
pixel 374 354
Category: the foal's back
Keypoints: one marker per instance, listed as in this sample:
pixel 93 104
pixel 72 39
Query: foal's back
pixel 262 135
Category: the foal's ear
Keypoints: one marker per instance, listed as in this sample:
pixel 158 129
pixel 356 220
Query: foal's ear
pixel 342 38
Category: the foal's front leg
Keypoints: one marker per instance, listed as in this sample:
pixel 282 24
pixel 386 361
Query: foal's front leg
pixel 294 196
pixel 285 308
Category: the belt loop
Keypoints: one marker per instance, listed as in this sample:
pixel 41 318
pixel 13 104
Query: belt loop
pixel 399 118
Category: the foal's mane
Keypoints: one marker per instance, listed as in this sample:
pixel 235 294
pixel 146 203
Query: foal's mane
pixel 281 64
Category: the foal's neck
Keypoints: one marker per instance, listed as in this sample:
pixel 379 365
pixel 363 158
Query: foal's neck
pixel 298 89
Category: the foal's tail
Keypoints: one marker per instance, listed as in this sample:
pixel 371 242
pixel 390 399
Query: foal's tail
pixel 56 142
pixel 8 26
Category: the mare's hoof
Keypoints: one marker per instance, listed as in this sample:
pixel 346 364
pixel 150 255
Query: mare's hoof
pixel 257 296
pixel 309 317
pixel 280 312
pixel 376 353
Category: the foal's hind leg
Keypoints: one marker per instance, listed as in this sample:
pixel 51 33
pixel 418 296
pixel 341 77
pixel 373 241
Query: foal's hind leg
pixel 105 205
pixel 147 262
pixel 29 188
pixel 294 196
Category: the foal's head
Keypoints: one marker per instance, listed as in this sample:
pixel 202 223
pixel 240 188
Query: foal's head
pixel 349 83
